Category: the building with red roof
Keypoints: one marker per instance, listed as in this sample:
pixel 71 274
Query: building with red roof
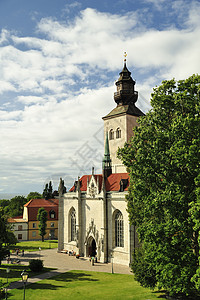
pixel 30 214
pixel 19 227
pixel 93 217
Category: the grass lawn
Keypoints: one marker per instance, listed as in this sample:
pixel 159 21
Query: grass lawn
pixel 15 272
pixel 34 245
pixel 86 285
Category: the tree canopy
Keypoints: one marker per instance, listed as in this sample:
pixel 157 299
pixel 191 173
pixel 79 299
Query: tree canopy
pixel 48 191
pixel 7 237
pixel 4 203
pixel 33 195
pixel 164 194
pixel 42 218
pixel 16 206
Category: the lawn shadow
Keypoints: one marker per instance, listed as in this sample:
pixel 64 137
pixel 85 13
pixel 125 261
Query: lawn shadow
pixel 65 277
pixel 74 276
pixel 165 295
pixel 43 286
pixel 15 271
pixel 32 254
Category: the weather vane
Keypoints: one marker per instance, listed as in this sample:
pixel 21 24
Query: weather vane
pixel 125 55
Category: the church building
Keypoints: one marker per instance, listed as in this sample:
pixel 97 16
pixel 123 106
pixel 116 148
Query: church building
pixel 93 218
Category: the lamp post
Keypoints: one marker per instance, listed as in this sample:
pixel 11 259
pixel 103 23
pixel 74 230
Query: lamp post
pixel 24 276
pixel 111 256
pixel 7 271
pixel 49 240
pixel 39 251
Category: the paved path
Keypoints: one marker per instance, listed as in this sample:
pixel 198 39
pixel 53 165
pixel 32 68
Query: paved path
pixel 63 263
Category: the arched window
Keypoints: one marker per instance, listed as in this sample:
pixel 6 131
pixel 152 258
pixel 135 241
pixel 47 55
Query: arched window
pixel 72 223
pixel 118 133
pixel 111 134
pixel 119 229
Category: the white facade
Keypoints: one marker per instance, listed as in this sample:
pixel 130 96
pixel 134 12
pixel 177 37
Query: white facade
pixel 118 125
pixel 19 228
pixel 95 222
pixel 93 218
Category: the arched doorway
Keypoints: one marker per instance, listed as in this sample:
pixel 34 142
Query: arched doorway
pixel 92 248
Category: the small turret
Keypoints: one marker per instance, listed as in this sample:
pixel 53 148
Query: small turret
pixel 126 93
pixel 106 163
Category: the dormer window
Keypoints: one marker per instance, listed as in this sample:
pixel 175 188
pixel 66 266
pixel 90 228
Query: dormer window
pixel 118 133
pixel 52 214
pixel 123 184
pixel 111 134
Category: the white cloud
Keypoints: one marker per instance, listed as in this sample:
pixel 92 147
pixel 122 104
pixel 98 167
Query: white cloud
pixel 59 83
pixel 10 115
pixel 157 3
pixel 4 36
pixel 6 86
pixel 70 6
pixel 28 100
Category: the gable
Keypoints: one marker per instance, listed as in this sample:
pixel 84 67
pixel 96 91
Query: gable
pixel 112 182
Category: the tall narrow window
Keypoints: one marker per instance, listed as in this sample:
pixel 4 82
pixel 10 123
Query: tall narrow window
pixel 118 133
pixel 52 214
pixel 73 225
pixel 119 230
pixel 111 134
pixel 19 236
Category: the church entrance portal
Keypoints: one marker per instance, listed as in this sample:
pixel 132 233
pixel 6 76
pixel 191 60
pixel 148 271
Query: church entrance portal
pixel 92 248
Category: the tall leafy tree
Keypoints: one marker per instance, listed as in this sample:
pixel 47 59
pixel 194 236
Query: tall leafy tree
pixel 163 201
pixel 33 195
pixel 48 191
pixel 42 218
pixel 7 237
pixel 4 203
pixel 16 206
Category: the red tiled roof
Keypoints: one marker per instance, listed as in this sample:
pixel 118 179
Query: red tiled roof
pixel 41 203
pixel 112 182
pixel 34 204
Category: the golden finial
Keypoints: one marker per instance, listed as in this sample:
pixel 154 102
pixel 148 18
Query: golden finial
pixel 125 55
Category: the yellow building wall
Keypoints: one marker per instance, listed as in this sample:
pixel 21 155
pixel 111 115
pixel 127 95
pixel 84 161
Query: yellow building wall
pixel 33 232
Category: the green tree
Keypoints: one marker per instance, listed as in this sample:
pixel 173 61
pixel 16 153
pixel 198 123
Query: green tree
pixel 4 203
pixel 16 206
pixel 33 195
pixel 48 191
pixel 163 201
pixel 7 237
pixel 42 218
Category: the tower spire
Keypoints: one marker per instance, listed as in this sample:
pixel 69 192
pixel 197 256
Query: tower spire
pixel 106 162
pixel 126 93
pixel 125 55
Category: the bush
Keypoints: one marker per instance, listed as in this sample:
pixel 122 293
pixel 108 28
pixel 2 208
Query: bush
pixel 2 291
pixel 36 265
pixel 142 270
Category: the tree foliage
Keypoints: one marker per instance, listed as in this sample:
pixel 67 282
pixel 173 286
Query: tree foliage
pixel 42 218
pixel 48 191
pixel 7 237
pixel 16 206
pixel 4 203
pixel 163 201
pixel 33 195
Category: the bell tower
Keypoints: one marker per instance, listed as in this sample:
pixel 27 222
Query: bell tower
pixel 120 121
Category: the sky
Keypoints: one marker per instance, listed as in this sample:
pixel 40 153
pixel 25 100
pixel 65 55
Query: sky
pixel 59 61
